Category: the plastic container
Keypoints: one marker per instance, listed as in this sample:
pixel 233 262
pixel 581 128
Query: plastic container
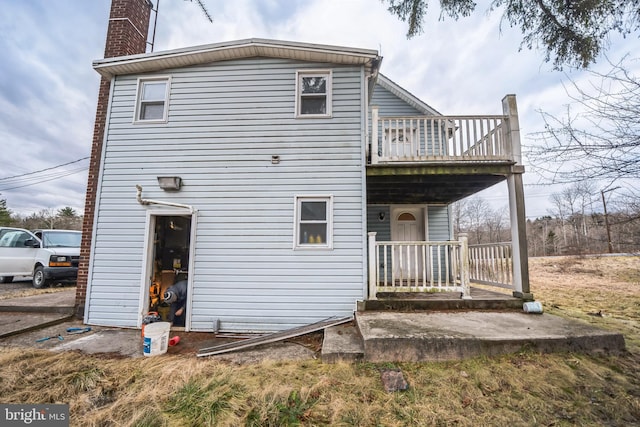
pixel 532 307
pixel 156 338
pixel 151 317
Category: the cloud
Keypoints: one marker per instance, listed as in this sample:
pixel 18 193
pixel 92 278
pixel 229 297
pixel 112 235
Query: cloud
pixel 49 90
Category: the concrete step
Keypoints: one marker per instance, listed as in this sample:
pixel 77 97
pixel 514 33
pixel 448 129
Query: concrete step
pixel 481 299
pixel 342 343
pixel 399 304
pixel 428 336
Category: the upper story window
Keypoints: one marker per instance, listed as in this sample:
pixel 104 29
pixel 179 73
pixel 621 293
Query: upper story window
pixel 313 93
pixel 153 100
pixel 314 222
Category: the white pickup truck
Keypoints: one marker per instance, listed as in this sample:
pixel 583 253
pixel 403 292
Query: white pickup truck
pixel 46 255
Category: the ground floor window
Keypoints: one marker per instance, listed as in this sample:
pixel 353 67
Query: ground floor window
pixel 313 222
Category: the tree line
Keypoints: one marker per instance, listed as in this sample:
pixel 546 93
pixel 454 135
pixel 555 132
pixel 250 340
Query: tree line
pixel 576 224
pixel 65 218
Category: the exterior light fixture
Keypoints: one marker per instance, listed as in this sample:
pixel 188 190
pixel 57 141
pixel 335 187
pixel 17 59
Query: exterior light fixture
pixel 170 183
pixel 381 215
pixel 275 160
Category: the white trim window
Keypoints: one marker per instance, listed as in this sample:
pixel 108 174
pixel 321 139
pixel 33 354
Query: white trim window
pixel 152 100
pixel 313 93
pixel 313 222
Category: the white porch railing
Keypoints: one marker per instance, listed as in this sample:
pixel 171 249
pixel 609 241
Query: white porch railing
pixel 492 264
pixel 439 138
pixel 418 266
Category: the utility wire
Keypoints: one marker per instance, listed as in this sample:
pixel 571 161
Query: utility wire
pixel 50 177
pixel 43 170
pixel 37 178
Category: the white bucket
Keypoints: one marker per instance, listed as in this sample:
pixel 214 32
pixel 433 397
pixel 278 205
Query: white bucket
pixel 532 307
pixel 156 338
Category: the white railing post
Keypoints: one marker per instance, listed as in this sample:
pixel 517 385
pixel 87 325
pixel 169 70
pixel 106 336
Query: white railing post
pixel 510 110
pixel 374 134
pixel 464 267
pixel 373 266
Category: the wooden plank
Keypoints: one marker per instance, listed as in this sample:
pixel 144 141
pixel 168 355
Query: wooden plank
pixel 278 336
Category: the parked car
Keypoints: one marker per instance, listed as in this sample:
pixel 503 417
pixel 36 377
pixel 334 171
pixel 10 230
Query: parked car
pixel 46 255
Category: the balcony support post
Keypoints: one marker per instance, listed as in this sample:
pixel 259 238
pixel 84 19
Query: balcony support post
pixel 510 110
pixel 373 265
pixel 516 203
pixel 465 266
pixel 374 135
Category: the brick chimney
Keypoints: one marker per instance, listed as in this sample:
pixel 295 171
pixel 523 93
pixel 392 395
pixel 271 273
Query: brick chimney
pixel 126 35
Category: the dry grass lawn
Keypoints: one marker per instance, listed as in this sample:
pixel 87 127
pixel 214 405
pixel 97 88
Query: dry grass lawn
pixel 514 390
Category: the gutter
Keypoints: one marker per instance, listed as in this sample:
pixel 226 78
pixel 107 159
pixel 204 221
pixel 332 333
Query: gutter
pixel 146 202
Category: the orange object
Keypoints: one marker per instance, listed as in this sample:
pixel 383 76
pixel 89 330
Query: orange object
pixel 174 341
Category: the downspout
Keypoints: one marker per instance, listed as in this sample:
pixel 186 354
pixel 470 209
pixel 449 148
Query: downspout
pixel 145 202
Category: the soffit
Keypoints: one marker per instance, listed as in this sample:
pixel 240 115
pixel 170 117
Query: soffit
pixel 144 63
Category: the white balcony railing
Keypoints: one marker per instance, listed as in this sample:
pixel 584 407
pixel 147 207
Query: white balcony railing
pixel 439 138
pixel 418 266
pixel 492 264
pixel 437 266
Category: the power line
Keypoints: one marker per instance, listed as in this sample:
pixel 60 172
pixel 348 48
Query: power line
pixel 46 179
pixel 39 177
pixel 44 170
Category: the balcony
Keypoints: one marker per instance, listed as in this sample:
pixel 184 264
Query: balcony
pixel 439 159
pixel 439 139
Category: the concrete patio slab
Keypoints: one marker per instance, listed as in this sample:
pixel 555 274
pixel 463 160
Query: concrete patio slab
pixel 415 337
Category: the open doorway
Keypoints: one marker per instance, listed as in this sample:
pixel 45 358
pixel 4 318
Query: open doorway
pixel 169 269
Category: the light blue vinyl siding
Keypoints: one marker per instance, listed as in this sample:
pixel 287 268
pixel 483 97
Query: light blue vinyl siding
pixel 439 223
pixel 390 105
pixel 439 231
pixel 225 122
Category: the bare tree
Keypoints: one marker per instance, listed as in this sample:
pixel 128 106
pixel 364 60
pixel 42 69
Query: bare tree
pixel 476 217
pixel 599 138
pixel 572 206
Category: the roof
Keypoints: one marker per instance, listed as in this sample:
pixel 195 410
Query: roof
pixel 406 96
pixel 148 62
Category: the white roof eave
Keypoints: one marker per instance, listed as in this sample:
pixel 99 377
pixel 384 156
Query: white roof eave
pixel 144 63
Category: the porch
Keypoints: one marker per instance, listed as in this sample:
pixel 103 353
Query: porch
pixel 435 161
pixel 441 159
pixel 440 275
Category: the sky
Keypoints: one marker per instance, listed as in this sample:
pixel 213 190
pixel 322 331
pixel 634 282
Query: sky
pixel 48 88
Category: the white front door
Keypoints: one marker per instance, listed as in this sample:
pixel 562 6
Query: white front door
pixel 408 225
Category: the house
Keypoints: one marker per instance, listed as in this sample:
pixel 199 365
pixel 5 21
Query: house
pixel 286 182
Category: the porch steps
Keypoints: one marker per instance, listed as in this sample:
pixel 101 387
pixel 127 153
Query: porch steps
pixel 386 336
pixel 342 343
pixel 481 299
